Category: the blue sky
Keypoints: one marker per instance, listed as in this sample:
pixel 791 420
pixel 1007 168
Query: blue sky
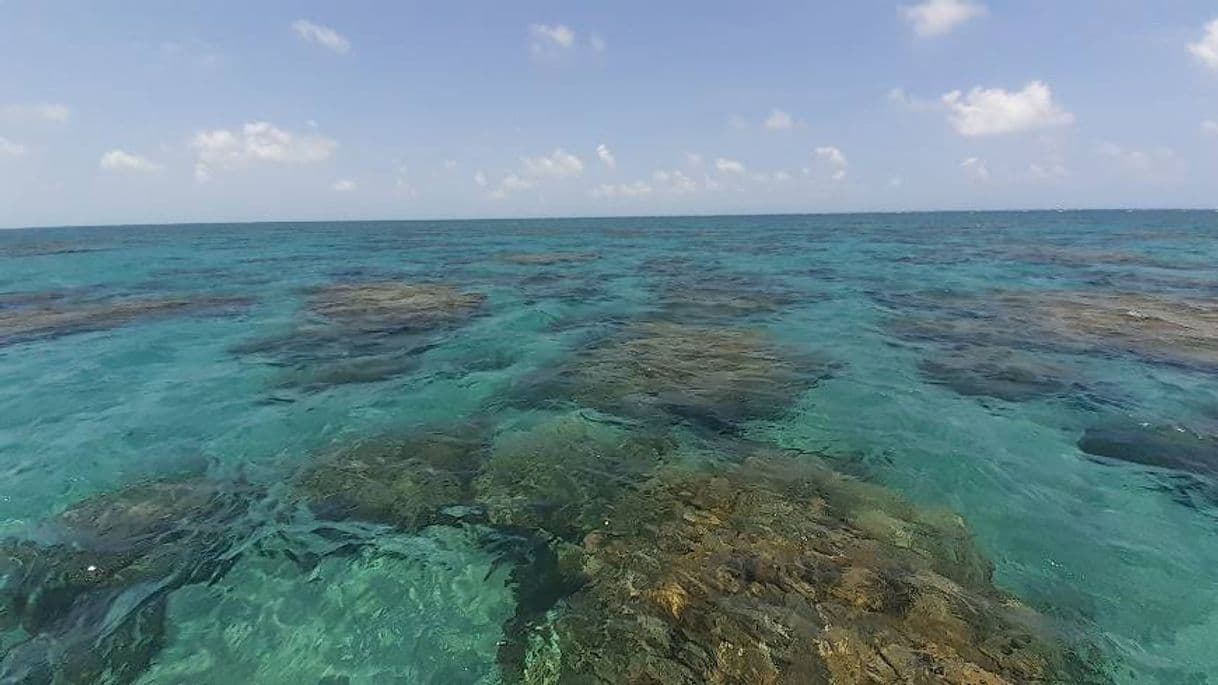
pixel 155 112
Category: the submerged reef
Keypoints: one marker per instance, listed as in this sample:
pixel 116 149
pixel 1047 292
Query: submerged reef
pixel 563 477
pixel 775 570
pixel 548 258
pixel 363 332
pixel 89 591
pixel 637 560
pixel 392 306
pixel 1160 446
pixel 34 318
pixel 996 372
pixel 405 482
pixel 1155 327
pixel 714 377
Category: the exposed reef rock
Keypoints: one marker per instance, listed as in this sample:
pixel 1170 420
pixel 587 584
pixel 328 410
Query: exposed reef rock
pixel 777 571
pixel 363 333
pixel 56 316
pixel 714 377
pixel 91 598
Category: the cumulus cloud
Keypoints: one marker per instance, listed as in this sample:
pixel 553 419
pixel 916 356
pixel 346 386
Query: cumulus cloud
pixel 256 142
pixel 121 160
pixel 779 121
pixel 1209 127
pixel 976 169
pixel 598 43
pixel 609 190
pixel 43 111
pixel 321 35
pixel 1151 163
pixel 835 160
pixel 994 111
pixel 939 17
pixel 1047 172
pixel 9 148
pixel 480 178
pixel 606 157
pixel 557 164
pixel 512 183
pixel 674 181
pixel 343 185
pixel 1206 49
pixel 729 166
pixel 547 40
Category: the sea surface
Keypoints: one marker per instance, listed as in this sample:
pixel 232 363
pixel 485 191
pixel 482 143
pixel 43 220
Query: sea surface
pixel 972 362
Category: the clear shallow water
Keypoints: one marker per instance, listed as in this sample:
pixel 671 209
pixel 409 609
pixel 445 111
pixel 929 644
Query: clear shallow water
pixel 1124 554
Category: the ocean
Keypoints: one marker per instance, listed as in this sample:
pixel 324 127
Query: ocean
pixel 494 451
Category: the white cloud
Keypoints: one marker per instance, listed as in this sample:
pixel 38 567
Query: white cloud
pixel 546 40
pixel 598 43
pixel 1209 127
pixel 602 151
pixel 558 164
pixel 674 181
pixel 9 148
pixel 256 142
pixel 1206 49
pixel 480 178
pixel 344 185
pixel 321 35
pixel 940 17
pixel 896 182
pixel 43 111
pixel 450 164
pixel 121 160
pixel 693 159
pixel 779 121
pixel 835 160
pixel 729 166
pixel 512 183
pixel 976 169
pixel 993 111
pixel 608 190
pixel 1151 163
pixel 1046 172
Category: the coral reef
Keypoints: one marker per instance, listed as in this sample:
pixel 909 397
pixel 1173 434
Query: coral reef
pixel 548 258
pixel 715 377
pixel 564 476
pixel 91 598
pixel 362 332
pixel 392 306
pixel 1152 326
pixel 996 372
pixel 1169 447
pixel 404 483
pixel 778 571
pixel 56 316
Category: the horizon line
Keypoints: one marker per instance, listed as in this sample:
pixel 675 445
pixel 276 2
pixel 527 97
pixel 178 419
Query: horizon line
pixel 606 217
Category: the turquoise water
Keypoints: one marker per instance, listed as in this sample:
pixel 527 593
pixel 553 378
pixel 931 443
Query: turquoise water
pixel 1122 552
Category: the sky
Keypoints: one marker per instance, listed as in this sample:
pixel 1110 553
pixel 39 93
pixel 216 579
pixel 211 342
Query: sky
pixel 146 111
